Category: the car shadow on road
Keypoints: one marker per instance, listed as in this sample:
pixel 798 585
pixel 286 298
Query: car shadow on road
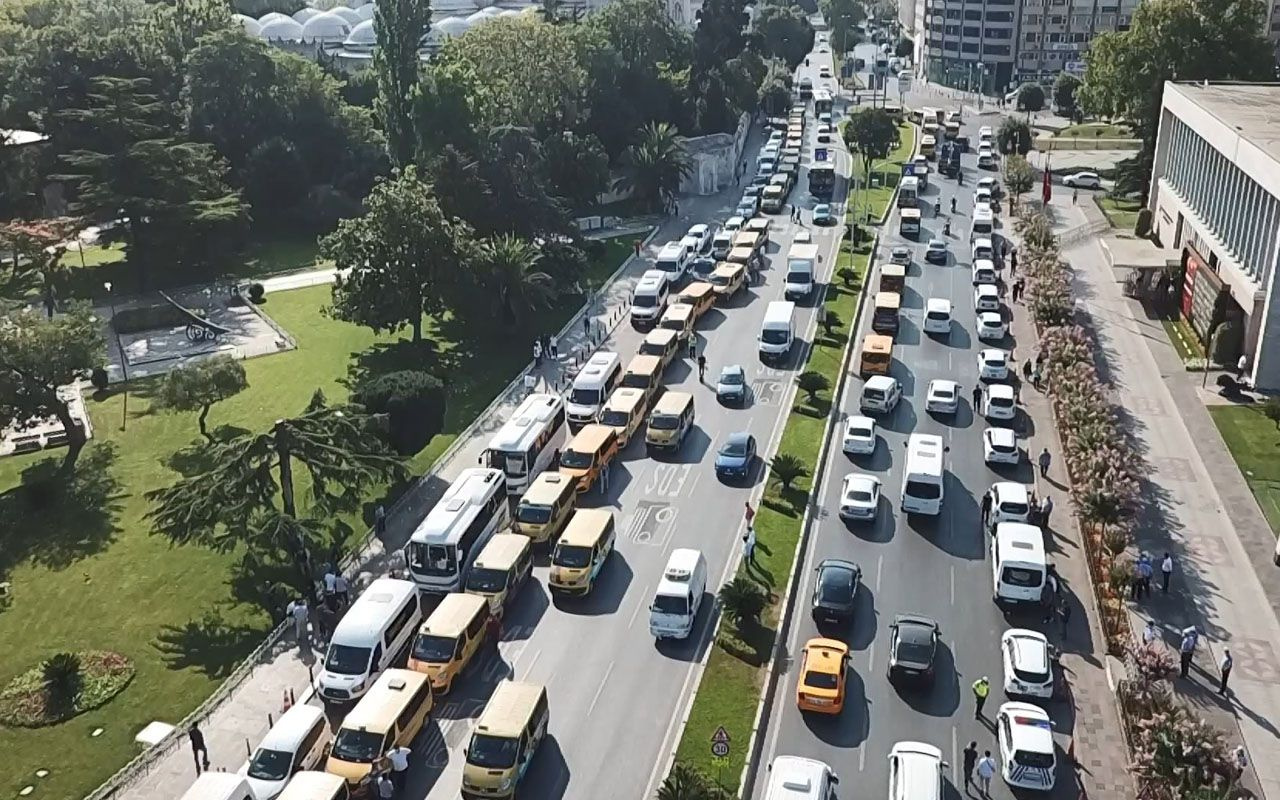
pixel 606 596
pixel 908 333
pixel 692 648
pixel 959 339
pixel 851 727
pixel 865 621
pixel 942 697
pixel 902 419
pixel 695 445
pixel 548 775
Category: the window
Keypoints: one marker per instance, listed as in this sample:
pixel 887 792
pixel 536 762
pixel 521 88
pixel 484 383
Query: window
pixel 971 14
pixel 477 623
pixel 401 620
pixel 996 50
pixel 972 31
pixel 1032 38
pixel 999 16
pixel 404 722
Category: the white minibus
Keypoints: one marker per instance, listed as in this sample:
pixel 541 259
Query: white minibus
pixel 983 223
pixel 527 443
pixel 599 376
pixel 650 298
pixel 777 331
pixel 924 475
pixel 1018 564
pixel 369 638
pixel 679 595
pixel 672 261
pixel 296 742
pixel 802 263
pixel 445 544
pixel 909 192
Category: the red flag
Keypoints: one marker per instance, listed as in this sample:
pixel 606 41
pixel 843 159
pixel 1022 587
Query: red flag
pixel 1047 191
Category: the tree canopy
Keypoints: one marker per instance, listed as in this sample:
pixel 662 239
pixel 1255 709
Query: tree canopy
pixel 872 134
pixel 1014 136
pixel 400 26
pixel 198 386
pixel 1064 93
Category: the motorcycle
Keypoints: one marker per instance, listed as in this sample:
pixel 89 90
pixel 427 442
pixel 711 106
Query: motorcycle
pixel 937 209
pixel 953 205
pixel 946 228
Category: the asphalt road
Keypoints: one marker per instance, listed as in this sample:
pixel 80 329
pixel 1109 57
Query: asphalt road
pixel 933 566
pixel 615 695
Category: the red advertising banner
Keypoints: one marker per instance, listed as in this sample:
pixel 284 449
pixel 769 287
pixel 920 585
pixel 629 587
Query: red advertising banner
pixel 1191 264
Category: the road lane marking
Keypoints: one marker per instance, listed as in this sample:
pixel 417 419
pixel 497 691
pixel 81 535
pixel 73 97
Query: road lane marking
pixel 862 757
pixel 879 567
pixel 645 594
pixel 953 584
pixel 528 668
pixel 953 747
pixel 600 688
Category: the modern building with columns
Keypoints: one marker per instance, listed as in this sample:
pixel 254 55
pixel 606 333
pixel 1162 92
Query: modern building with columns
pixel 1215 198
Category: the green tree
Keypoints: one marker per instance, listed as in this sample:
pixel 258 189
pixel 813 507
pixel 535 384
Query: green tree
pixel 169 192
pixel 1030 97
pixel 872 134
pixel 1127 69
pixel 1019 177
pixel 414 402
pixel 784 31
pixel 720 35
pixel 197 386
pixel 655 166
pixel 1014 136
pixel 508 269
pixel 575 167
pixel 787 469
pixel 36 250
pixel 39 356
pixel 775 90
pixel 842 18
pixel 63 682
pixel 1064 93
pixel 811 382
pixel 904 48
pixel 400 26
pixel 399 257
pixel 742 601
pixel 247 498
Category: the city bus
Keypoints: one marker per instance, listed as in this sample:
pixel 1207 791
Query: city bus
pixel 525 445
pixel 822 180
pixel 822 102
pixel 445 544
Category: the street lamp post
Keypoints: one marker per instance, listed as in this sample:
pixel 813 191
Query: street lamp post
pixel 124 358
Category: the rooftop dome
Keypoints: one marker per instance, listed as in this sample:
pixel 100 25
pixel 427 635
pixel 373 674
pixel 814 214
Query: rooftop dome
pixel 366 11
pixel 477 17
pixel 326 27
pixel 277 30
pixel 303 15
pixel 362 37
pixel 510 12
pixel 250 25
pixel 271 17
pixel 453 26
pixel 349 14
pixel 492 11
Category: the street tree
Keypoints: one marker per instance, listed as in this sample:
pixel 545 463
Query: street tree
pixel 655 165
pixel 872 134
pixel 400 26
pixel 720 35
pixel 1014 136
pixel 509 271
pixel 1030 97
pixel 398 258
pixel 1064 93
pixel 743 600
pixel 1019 178
pixel 197 386
pixel 247 497
pixel 811 382
pixel 787 469
pixel 785 32
pixel 842 18
pixel 575 167
pixel 775 91
pixel 904 48
pixel 39 356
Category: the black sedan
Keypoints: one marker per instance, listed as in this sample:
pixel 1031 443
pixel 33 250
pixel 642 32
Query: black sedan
pixel 835 590
pixel 913 643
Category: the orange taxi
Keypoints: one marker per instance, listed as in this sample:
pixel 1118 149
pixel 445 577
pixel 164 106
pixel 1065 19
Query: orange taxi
pixel 822 676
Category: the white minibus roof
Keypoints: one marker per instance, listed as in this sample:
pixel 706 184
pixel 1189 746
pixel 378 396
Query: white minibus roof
pixel 362 625
pixel 681 566
pixel 1018 542
pixel 526 424
pixel 219 786
pixel 924 454
pixel 292 727
pixel 652 280
pixel 449 518
pixel 779 312
pixel 597 371
pixel 671 250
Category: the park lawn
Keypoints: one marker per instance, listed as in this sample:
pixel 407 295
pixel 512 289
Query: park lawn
pixel 1100 130
pixel 889 172
pixel 734 677
pixel 1121 212
pixel 1254 442
pixel 90 575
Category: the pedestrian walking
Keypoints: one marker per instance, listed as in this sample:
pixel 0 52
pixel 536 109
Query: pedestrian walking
pixel 1145 571
pixel 1166 572
pixel 1064 615
pixel 1149 633
pixel 635 245
pixel 537 353
pixel 702 368
pixel 1240 365
pixel 399 758
pixel 1186 649
pixel 198 749
pixel 326 621
pixel 986 509
pixel 1240 758
pixel 1013 262
pixel 380 520
pixel 986 771
pixel 586 326
pixel 530 384
pixel 970 761
pixel 1026 370
pixel 1135 581
pixel 553 347
pixel 330 582
pixel 981 688
pixel 1075 195
pixel 298 612
pixel 749 546
pixel 1048 594
pixel 1224 670
pixel 750 513
pixel 693 347
pixel 1043 460
pixel 342 591
pixel 386 789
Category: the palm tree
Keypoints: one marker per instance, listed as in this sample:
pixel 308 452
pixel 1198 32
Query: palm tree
pixel 683 783
pixel 510 269
pixel 787 469
pixel 655 165
pixel 811 382
pixel 742 600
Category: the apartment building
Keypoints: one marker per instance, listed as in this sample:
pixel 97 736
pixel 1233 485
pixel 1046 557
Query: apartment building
pixel 1054 35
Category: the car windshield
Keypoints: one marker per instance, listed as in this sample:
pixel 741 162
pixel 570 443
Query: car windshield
pixel 575 460
pixel 492 752
pixel 860 432
pixel 635 380
pixel 1026 759
pixel 571 555
pixel 938 315
pixel 859 495
pixel 799 276
pixel 671 604
pixel 361 747
pixel 944 392
pixel 1018 576
pixel 772 336
pixel 820 680
pixel 617 419
pixel 645 301
pixel 703 266
pixel 486 580
pixel 664 422
pixel 914 652
pixel 924 490
pixel 1014 509
pixel 434 649
pixel 270 765
pixel 1002 448
pixel 1030 676
pixel 345 660
pixel 1002 402
pixel 585 397
pixel 731 378
pixel 734 449
pixel 533 515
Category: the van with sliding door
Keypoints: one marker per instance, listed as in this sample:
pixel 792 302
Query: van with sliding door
pixel 679 595
pixel 589 455
pixel 390 715
pixel 649 299
pixel 728 279
pixel 909 223
pixel 645 373
pixel 504 741
pixel 876 356
pixel 624 413
pixel 500 570
pixel 582 551
pixel 673 262
pixel 663 343
pixel 369 638
pixel 983 224
pixel 802 266
pixel 777 331
pixel 1018 563
pixel 599 376
pixel 315 786
pixel 545 507
pixel 884 319
pixel 909 192
pixel 294 743
pixel 699 296
pixel 450 640
pixel 670 421
pixel 924 475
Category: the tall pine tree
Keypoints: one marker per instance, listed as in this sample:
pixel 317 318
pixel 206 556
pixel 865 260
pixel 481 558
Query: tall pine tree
pixel 400 26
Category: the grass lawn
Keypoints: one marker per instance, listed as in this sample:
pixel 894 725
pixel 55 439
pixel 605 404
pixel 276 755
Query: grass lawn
pixel 88 574
pixel 1100 130
pixel 731 685
pixel 889 172
pixel 1183 338
pixel 1122 213
pixel 1254 442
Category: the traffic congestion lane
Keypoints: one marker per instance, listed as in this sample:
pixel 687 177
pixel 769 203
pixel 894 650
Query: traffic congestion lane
pixel 937 567
pixel 614 694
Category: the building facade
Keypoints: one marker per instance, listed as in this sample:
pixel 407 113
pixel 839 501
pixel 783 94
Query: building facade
pixel 1215 197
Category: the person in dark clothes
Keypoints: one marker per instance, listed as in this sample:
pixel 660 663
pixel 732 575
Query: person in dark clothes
pixel 198 749
pixel 970 759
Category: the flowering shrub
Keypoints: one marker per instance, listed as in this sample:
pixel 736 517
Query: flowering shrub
pixel 1181 757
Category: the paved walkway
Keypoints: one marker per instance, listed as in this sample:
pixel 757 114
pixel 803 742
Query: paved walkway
pixel 1200 510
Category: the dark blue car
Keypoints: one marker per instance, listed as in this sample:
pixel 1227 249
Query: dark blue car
pixel 736 456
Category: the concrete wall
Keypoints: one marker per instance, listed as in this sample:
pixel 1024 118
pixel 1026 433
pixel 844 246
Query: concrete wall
pixel 715 158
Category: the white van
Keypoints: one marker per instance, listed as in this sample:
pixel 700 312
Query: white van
pixel 721 244
pixel 983 248
pixel 909 192
pixel 600 376
pixel 797 778
pixel 1018 565
pixel 672 261
pixel 984 271
pixel 1010 502
pixel 650 298
pixel 777 332
pixel 296 742
pixel 219 786
pixel 915 771
pixel 690 245
pixel 937 315
pixel 369 637
pixel 679 595
pixel 984 222
pixel 924 475
pixel 802 262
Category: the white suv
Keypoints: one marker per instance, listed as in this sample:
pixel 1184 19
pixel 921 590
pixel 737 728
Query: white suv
pixel 880 393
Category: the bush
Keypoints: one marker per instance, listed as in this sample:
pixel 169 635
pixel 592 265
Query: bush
pixel 99 379
pixel 63 686
pixel 1143 226
pixel 63 681
pixel 257 292
pixel 742 601
pixel 414 402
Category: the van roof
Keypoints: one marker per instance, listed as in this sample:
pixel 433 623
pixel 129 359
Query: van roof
pixel 453 614
pixel 741 253
pixel 590 439
pixel 502 551
pixel 924 454
pixel 377 710
pixel 509 708
pixel 803 252
pixel 644 365
pixel 893 270
pixel 746 237
pixel 727 270
pixel 309 785
pixel 679 571
pixel 671 250
pixel 624 398
pixel 779 311
pixel 597 371
pixel 362 625
pixel 525 424
pixel 1018 541
pixel 881 383
pixel 919 776
pixel 982 212
pixel 984 263
pixel 292 727
pixel 888 300
pixel 672 403
pixel 796 778
pixel 696 290
pixel 660 336
pixel 585 526
pixel 910 182
pixel 677 311
pixel 548 487
pixel 653 275
pixel 938 304
pixel 911 212
pixel 772 190
pixel 216 786
pixel 876 343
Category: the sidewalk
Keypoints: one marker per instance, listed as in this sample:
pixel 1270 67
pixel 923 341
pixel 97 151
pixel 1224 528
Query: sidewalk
pixel 1199 510
pixel 1100 748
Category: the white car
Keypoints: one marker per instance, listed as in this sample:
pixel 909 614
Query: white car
pixel 937 315
pixel 982 199
pixel 803 236
pixel 936 252
pixel 734 224
pixel 1000 446
pixel 985 133
pixel 1028 664
pixel 880 393
pixel 900 255
pixel 984 250
pixel 983 271
pixel 986 158
pixel 991 326
pixel 859 496
pixel 991 185
pixel 1025 736
pixel 999 402
pixel 1083 180
pixel 1010 502
pixel 859 436
pixel 943 397
pixel 993 364
pixel 702 234
pixel 986 297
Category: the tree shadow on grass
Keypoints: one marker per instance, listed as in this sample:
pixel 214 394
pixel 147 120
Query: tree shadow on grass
pixel 54 523
pixel 402 354
pixel 817 407
pixel 210 644
pixel 750 642
pixel 789 502
pixel 200 456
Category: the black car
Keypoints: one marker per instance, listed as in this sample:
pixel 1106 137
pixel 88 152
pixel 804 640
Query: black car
pixel 913 643
pixel 834 591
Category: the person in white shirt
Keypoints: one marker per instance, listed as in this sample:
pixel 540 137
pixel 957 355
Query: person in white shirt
pixel 399 758
pixel 1166 572
pixel 986 771
pixel 298 612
